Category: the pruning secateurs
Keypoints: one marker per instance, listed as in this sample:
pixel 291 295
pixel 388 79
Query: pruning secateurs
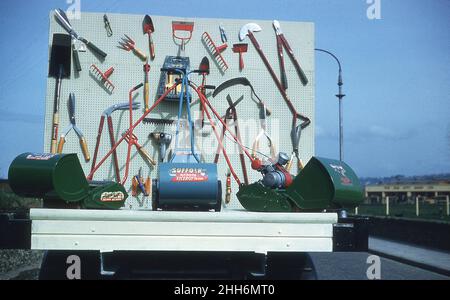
pixel 73 126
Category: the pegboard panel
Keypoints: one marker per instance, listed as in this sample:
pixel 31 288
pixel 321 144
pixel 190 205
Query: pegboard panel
pixel 92 99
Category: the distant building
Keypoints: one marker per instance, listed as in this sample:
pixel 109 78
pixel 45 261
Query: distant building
pixel 430 192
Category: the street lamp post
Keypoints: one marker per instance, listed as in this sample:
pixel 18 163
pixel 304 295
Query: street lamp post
pixel 340 96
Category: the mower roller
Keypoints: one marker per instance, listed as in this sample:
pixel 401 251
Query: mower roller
pixel 59 180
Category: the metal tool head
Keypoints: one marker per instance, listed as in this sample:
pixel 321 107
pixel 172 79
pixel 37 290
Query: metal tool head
pixel 123 106
pixel 204 66
pixel 240 48
pixel 148 25
pixel 64 21
pixel 277 27
pixel 60 56
pixel 71 108
pixel 127 43
pixel 250 27
pixel 107 26
pixel 296 135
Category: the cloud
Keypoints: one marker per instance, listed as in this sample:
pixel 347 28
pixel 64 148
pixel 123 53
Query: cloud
pixel 378 133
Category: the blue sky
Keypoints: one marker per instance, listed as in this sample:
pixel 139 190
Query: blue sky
pixel 396 74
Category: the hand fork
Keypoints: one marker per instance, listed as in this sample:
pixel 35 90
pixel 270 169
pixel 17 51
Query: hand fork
pixel 129 44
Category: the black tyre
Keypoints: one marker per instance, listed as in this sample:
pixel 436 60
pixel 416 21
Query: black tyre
pixel 290 266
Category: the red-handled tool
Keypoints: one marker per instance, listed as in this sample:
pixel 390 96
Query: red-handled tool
pixel 149 29
pixel 241 49
pixel 146 87
pixel 182 31
pixel 282 42
pixel 103 78
pixel 215 51
pixel 107 114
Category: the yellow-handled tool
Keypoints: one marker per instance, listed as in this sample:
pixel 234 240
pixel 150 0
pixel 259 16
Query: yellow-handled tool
pixel 73 125
pixel 146 87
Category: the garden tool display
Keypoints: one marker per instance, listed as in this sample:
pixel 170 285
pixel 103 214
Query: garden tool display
pixel 240 48
pixel 132 140
pixel 64 21
pixel 149 29
pixel 59 68
pixel 128 44
pixel 247 30
pixel 215 51
pixel 109 31
pixel 103 78
pixel 282 42
pixel 73 125
pixel 223 34
pixel 163 140
pixel 182 31
pixel 146 87
pixel 231 115
pixel 107 114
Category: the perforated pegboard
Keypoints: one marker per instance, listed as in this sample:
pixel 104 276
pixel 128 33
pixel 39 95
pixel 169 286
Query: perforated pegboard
pixel 92 100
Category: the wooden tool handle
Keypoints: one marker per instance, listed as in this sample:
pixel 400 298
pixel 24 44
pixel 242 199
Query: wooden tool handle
pixel 145 154
pixel 290 163
pixel 152 46
pixel 300 165
pixel 55 130
pixel 140 54
pixel 241 61
pixel 147 96
pixel 62 141
pixel 85 150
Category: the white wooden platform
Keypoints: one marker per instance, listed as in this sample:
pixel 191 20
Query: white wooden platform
pixel 236 231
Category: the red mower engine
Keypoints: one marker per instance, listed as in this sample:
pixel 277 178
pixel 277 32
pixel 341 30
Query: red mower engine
pixel 275 176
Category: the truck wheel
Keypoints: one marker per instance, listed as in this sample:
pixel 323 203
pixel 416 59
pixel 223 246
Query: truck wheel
pixel 55 267
pixel 292 266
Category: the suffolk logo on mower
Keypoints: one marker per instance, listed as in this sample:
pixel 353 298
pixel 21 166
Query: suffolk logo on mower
pixel 341 171
pixel 188 175
pixel 112 197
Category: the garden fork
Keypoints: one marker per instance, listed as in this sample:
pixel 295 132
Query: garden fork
pixel 129 44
